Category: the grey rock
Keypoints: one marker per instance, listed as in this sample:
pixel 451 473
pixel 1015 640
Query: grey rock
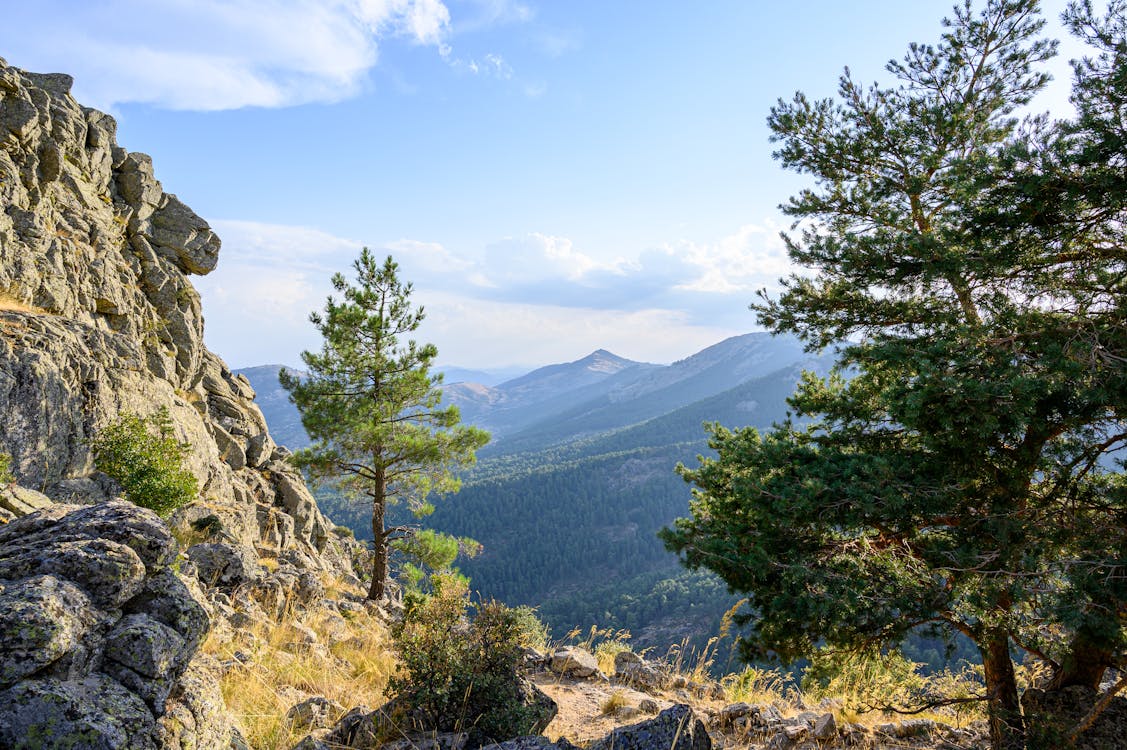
pixel 429 741
pixel 358 728
pixel 16 501
pixel 145 656
pixel 765 716
pixel 101 254
pixel 574 662
pixel 730 713
pixel 42 619
pixel 225 565
pixel 94 712
pixel 180 233
pixel 101 646
pixel 544 708
pixel 631 669
pixel 675 728
pixel 825 727
pixel 531 742
pixel 168 599
pixel 313 713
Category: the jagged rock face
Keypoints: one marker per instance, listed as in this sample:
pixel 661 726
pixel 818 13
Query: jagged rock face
pixel 99 634
pixel 97 317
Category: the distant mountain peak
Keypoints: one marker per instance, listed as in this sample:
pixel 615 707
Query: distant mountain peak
pixel 601 360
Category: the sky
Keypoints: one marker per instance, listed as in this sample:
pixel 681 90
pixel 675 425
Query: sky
pixel 553 176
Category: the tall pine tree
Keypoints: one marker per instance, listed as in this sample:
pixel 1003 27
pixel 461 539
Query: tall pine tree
pixel 373 408
pixel 959 479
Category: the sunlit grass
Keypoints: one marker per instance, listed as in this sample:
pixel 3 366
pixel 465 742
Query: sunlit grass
pixel 352 669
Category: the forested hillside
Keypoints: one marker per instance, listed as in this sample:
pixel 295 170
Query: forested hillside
pixel 567 509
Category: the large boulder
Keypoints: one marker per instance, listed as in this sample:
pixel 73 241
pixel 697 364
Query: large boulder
pixel 99 634
pixel 574 662
pixel 98 317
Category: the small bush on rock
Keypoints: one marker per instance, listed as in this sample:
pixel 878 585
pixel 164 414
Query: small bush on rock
pixel 459 673
pixel 141 454
pixel 6 469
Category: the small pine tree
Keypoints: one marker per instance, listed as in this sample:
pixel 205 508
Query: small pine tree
pixel 373 407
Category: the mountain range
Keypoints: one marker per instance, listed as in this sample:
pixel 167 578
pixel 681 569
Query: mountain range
pixel 568 498
pixel 559 402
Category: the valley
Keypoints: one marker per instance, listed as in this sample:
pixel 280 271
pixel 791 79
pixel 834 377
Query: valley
pixel 568 497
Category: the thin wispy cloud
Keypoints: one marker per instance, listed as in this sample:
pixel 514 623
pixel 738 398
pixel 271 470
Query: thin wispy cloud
pixel 520 294
pixel 223 54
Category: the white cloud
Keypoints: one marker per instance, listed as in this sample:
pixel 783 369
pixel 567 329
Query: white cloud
pixel 428 257
pixel 252 241
pixel 215 54
pixel 753 257
pixel 476 332
pixel 525 300
pixel 538 257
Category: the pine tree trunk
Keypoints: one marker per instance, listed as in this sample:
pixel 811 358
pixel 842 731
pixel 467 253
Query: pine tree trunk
pixel 379 548
pixel 1007 730
pixel 1084 665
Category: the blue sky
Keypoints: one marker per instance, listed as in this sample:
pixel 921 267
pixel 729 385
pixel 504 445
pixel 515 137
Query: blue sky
pixel 553 176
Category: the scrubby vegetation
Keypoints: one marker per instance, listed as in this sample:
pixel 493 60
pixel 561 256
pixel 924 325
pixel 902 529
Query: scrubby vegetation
pixel 460 662
pixel 143 456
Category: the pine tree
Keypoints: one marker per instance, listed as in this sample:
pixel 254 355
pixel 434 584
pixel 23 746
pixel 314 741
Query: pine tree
pixel 958 479
pixel 372 407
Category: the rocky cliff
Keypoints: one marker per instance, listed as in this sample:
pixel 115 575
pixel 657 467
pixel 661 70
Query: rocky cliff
pixel 98 317
pixel 101 616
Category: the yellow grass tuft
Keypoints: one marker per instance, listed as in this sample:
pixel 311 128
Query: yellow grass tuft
pixel 614 701
pixel 351 665
pixel 10 303
pixel 757 686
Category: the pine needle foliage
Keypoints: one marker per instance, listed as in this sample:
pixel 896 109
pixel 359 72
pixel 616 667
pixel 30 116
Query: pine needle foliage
pixel 373 408
pixel 961 479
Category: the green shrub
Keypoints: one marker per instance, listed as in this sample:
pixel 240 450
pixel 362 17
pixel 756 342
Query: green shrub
pixel 462 674
pixel 531 630
pixel 142 455
pixel 6 469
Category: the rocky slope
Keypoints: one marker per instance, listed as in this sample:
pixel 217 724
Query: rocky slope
pixel 101 617
pixel 98 317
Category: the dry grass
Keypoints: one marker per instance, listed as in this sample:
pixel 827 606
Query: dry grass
pixel 353 670
pixel 607 650
pixel 695 665
pixel 755 685
pixel 10 303
pixel 614 701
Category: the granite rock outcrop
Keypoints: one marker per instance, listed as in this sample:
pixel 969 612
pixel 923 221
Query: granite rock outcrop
pixel 100 634
pixel 98 317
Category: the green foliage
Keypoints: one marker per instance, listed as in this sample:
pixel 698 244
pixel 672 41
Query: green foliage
pixel 531 631
pixel 372 407
pixel 142 455
pixel 979 270
pixel 427 552
pixel 461 673
pixel 6 469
